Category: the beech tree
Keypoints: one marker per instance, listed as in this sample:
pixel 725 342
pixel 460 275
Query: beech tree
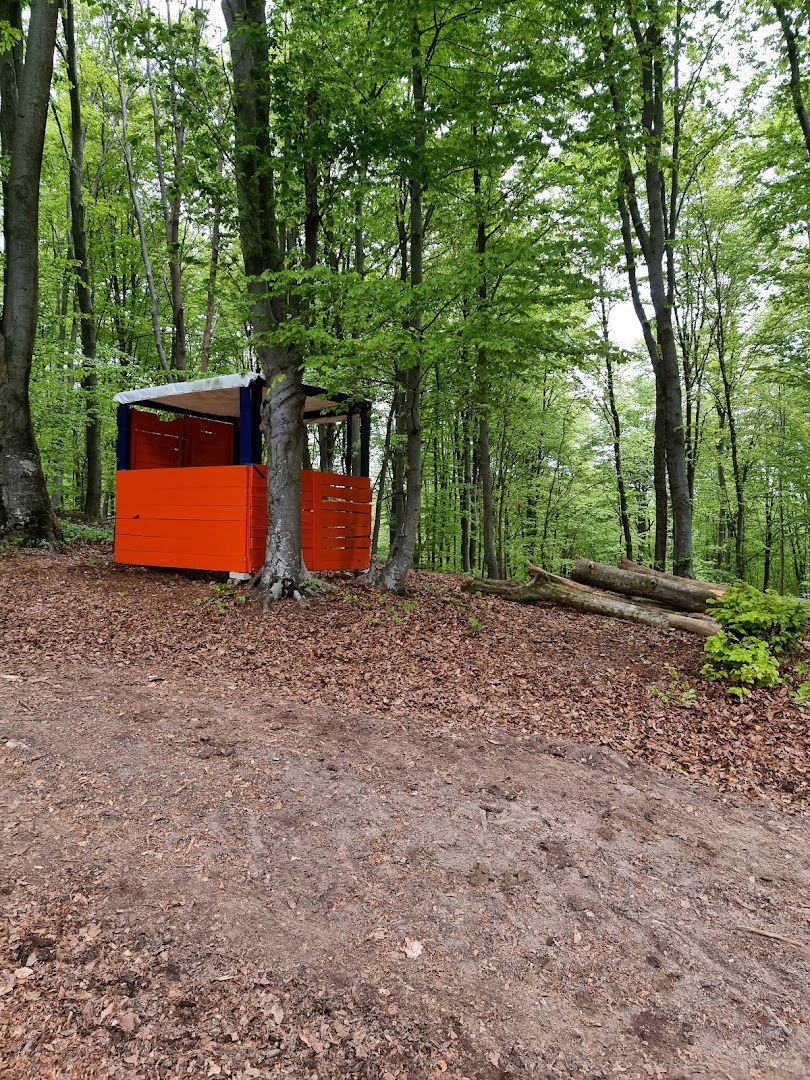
pixel 26 66
pixel 790 25
pixel 647 110
pixel 283 572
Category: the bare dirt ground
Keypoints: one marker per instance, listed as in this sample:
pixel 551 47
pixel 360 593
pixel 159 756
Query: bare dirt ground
pixel 369 839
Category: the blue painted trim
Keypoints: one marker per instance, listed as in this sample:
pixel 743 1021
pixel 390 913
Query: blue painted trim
pixel 250 436
pixel 245 426
pixel 365 442
pixel 348 456
pixel 256 388
pixel 122 442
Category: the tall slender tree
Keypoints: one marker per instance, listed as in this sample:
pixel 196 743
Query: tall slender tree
pixel 26 68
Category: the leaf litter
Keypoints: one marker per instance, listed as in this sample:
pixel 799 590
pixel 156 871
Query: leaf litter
pixel 606 881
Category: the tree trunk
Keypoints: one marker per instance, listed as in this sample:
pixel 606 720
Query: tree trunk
pixel 616 432
pixel 768 541
pixel 487 509
pixel 393 574
pixel 655 240
pixel 25 89
pixel 283 572
pixel 791 48
pixel 136 204
pixel 84 292
pixel 171 207
pixel 378 505
pixel 213 269
pixel 466 491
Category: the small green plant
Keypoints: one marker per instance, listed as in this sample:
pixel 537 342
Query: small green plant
pixel 802 668
pixel 756 628
pixel 77 532
pixel 475 625
pixel 677 689
pixel 221 596
pixel 745 663
pixel 801 695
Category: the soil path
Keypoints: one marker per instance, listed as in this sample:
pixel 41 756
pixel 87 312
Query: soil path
pixel 573 914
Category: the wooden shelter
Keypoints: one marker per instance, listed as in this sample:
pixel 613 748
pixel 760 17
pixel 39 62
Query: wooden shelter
pixel 191 487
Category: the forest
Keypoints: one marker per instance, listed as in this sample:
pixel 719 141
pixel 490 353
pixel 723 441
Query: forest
pixel 480 330
pixel 562 247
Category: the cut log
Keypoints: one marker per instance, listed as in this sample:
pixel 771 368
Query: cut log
pixel 714 587
pixel 550 588
pixel 679 593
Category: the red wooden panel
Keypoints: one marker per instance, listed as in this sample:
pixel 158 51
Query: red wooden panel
pixel 158 443
pixel 208 442
pixel 154 443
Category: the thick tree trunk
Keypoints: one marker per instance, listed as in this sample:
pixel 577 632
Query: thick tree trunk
pixel 25 88
pixel 283 572
pixel 636 568
pixel 84 292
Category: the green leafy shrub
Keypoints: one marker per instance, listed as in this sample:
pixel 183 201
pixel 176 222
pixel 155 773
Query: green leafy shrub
pixel 756 628
pixel 745 612
pixel 802 695
pixel 746 663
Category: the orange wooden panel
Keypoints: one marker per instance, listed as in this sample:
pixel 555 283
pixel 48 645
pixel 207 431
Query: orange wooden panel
pixel 191 517
pixel 142 556
pixel 215 518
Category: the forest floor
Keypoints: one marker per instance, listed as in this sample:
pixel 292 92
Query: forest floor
pixel 413 837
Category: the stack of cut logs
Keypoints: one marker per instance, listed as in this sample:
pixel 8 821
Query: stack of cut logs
pixel 629 591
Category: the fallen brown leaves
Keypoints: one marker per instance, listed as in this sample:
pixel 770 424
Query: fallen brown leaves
pixel 420 659
pixel 102 1000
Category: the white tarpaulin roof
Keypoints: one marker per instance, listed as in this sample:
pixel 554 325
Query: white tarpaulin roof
pixel 218 396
